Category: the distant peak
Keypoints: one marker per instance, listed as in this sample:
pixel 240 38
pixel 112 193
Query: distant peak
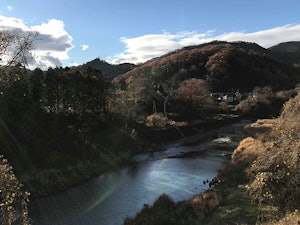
pixel 289 47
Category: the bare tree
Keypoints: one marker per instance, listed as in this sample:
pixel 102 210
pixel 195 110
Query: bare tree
pixel 195 92
pixel 15 48
pixel 14 51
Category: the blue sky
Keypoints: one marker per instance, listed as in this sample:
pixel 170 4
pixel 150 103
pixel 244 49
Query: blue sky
pixel 74 32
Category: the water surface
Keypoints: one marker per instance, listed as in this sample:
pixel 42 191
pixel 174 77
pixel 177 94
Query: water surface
pixel 109 198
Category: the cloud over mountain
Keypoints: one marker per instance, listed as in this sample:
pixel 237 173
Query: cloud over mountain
pixel 52 42
pixel 142 48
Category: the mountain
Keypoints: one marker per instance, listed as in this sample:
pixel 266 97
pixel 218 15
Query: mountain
pixel 289 47
pixel 225 66
pixel 182 80
pixel 107 69
pixel 288 52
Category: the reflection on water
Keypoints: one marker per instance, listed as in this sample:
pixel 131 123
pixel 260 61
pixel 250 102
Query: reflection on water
pixel 111 197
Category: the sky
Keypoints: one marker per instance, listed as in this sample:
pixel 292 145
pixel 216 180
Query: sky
pixel 73 32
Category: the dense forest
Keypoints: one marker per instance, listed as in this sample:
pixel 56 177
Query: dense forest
pixel 56 119
pixel 62 126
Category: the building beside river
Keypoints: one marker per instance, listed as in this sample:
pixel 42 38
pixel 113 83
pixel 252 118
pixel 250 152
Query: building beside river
pixel 229 97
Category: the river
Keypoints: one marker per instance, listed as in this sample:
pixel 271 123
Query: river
pixel 177 169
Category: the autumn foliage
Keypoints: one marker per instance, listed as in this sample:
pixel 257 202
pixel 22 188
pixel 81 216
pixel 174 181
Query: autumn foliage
pixel 276 178
pixel 13 205
pixel 195 92
pixel 181 79
pixel 223 65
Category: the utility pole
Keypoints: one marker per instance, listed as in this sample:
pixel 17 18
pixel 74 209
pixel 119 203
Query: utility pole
pixel 154 107
pixel 165 109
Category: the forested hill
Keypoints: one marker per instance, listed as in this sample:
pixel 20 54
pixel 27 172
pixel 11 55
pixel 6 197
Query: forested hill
pixel 291 47
pixel 225 66
pixel 106 68
pixel 287 51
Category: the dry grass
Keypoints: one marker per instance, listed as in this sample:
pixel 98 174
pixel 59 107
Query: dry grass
pixel 236 171
pixel 275 173
pixel 269 164
pixel 204 202
pixel 261 127
pixel 290 219
pixel 156 120
pixel 247 150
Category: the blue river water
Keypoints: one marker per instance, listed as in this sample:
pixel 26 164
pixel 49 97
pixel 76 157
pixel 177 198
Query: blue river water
pixel 111 197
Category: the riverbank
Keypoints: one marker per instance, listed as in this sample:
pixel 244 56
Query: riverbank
pixel 126 144
pixel 226 202
pixel 259 185
pixel 114 195
pixel 159 136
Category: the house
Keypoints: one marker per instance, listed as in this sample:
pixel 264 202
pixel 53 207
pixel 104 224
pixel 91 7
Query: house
pixel 231 98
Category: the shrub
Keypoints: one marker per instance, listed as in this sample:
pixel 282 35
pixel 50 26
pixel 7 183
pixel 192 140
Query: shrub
pixel 205 202
pixel 276 177
pixel 164 212
pixel 195 92
pixel 261 103
pixel 236 171
pixel 13 204
pixel 156 120
pixel 289 219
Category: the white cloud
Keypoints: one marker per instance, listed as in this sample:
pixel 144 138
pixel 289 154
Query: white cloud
pixel 142 48
pixel 266 38
pixel 52 42
pixel 73 64
pixel 84 47
pixel 9 8
pixel 10 23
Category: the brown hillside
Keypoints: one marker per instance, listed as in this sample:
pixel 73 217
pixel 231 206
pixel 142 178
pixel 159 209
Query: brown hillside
pixel 225 66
